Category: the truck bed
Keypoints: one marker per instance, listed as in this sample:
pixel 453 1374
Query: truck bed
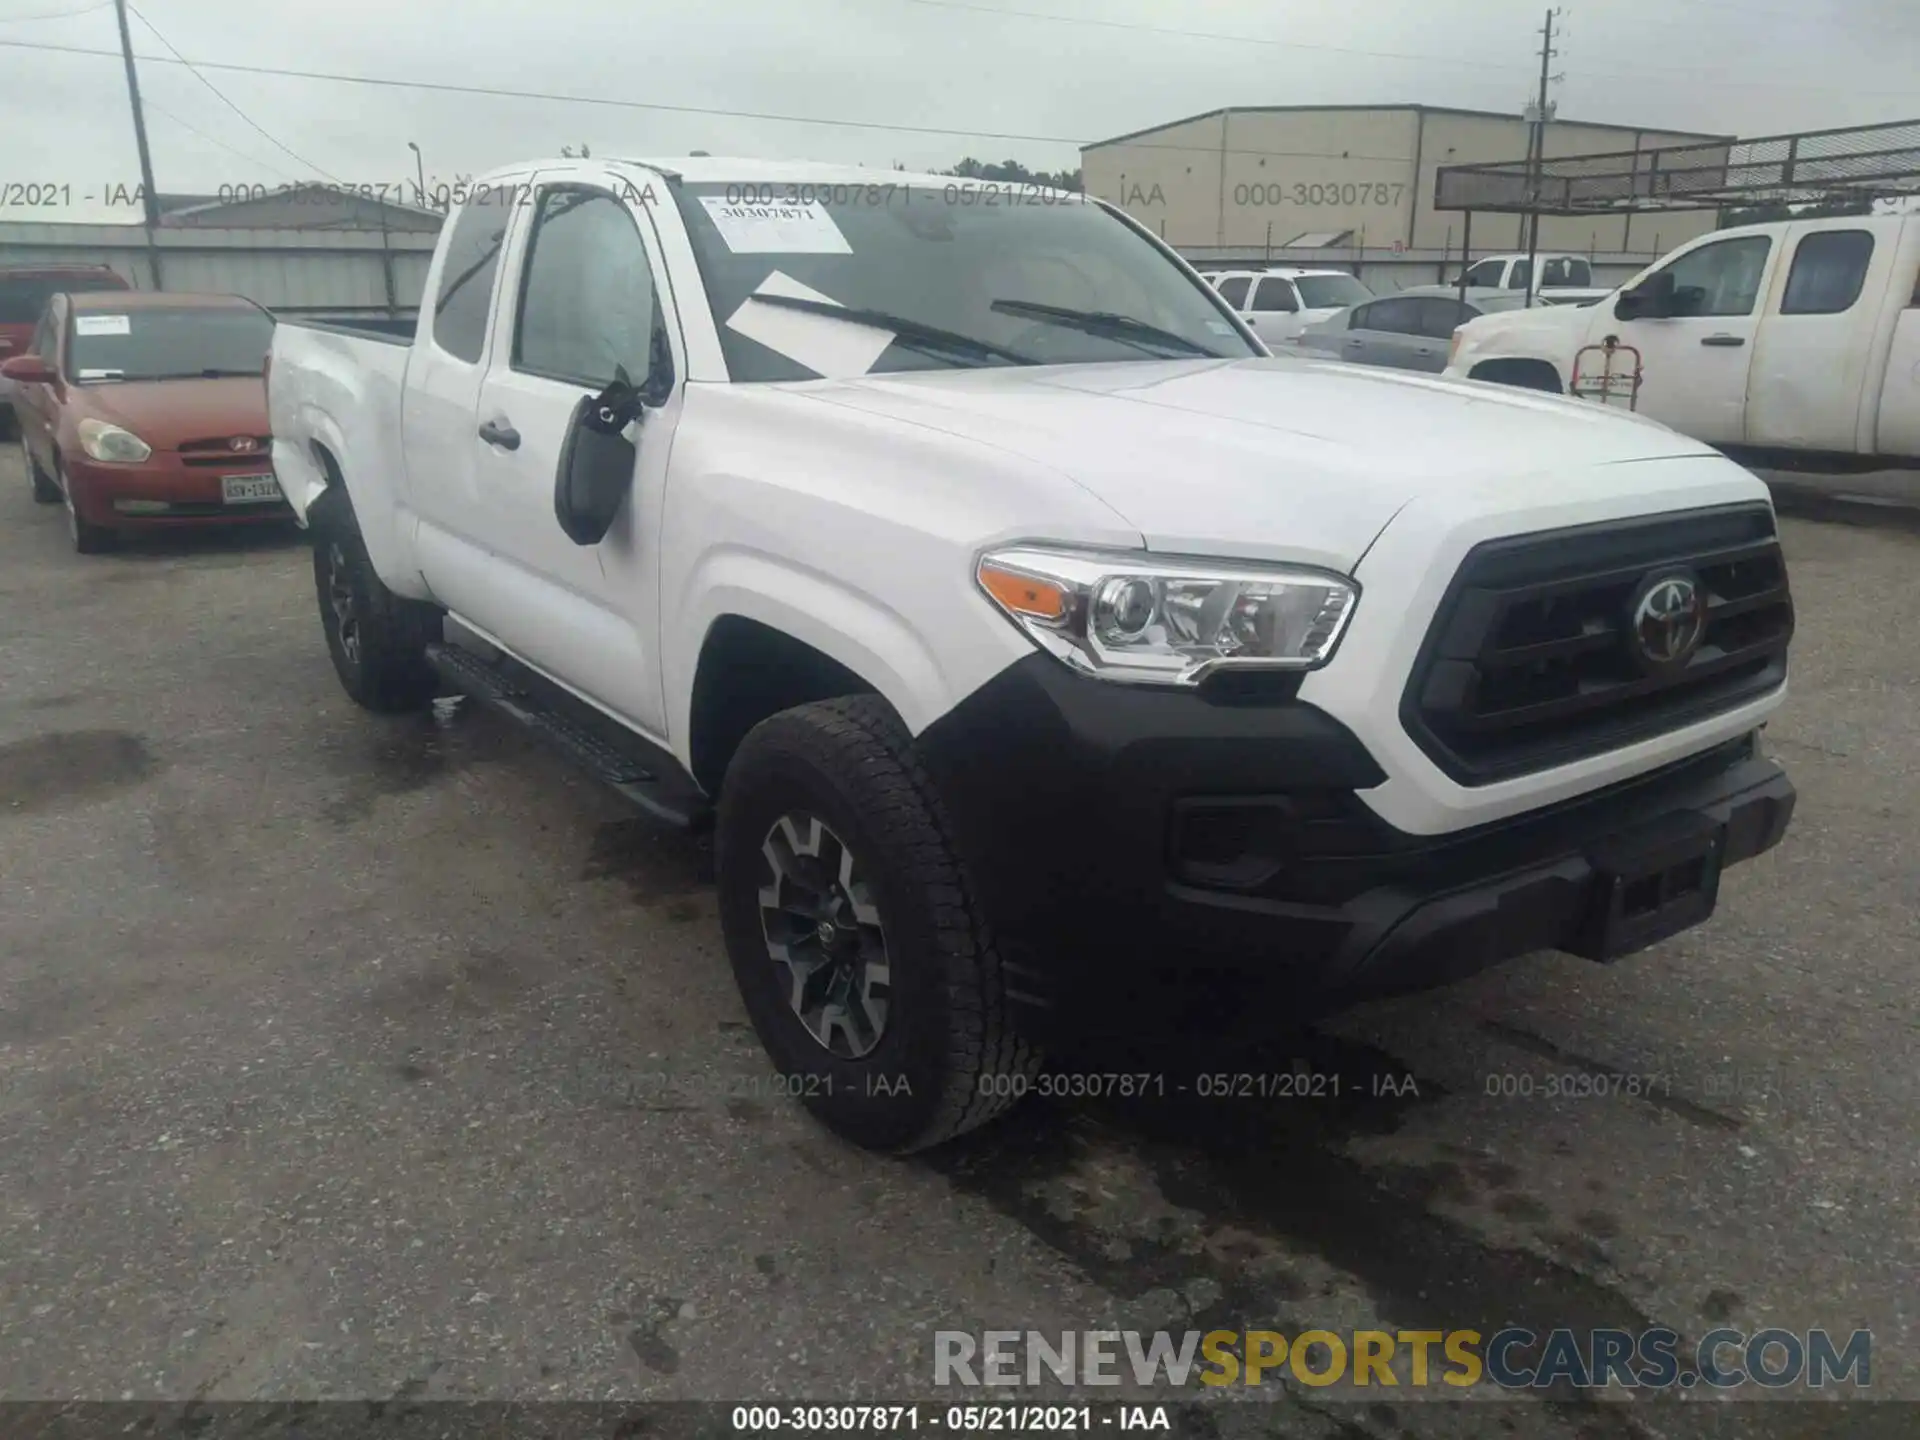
pixel 395 331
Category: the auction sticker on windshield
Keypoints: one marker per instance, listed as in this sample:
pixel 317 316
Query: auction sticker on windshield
pixel 101 325
pixel 776 229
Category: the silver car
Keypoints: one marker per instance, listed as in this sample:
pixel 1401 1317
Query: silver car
pixel 1410 330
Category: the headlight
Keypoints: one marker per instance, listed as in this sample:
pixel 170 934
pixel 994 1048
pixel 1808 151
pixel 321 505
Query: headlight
pixel 109 442
pixel 1168 622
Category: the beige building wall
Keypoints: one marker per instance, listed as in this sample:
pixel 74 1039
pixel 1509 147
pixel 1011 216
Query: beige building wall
pixel 1252 178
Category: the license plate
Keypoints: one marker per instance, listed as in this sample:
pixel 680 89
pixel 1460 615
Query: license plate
pixel 248 489
pixel 1651 884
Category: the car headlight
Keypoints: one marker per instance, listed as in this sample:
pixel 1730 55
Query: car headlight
pixel 1167 622
pixel 109 442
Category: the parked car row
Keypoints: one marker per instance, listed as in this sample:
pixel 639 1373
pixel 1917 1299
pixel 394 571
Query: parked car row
pixel 139 410
pixel 24 292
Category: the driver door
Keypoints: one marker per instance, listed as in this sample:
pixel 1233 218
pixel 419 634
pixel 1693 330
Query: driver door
pixel 1694 363
pixel 580 298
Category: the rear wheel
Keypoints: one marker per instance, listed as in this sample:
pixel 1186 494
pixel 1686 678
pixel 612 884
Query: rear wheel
pixel 88 538
pixel 859 948
pixel 44 490
pixel 378 640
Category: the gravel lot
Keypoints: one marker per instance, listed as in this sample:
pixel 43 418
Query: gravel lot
pixel 331 1054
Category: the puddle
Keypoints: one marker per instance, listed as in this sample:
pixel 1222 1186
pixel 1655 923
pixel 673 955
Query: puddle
pixel 51 772
pixel 1230 1200
pixel 654 861
pixel 381 756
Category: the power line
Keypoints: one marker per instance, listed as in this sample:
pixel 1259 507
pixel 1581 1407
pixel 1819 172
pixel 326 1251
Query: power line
pixel 216 140
pixel 54 14
pixel 553 97
pixel 1210 35
pixel 155 30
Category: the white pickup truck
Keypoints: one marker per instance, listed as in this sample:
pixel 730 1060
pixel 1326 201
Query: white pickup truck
pixel 1795 338
pixel 1564 279
pixel 1039 649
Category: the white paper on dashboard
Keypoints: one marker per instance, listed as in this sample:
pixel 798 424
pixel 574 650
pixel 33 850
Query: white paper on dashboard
pixel 829 347
pixel 101 325
pixel 776 229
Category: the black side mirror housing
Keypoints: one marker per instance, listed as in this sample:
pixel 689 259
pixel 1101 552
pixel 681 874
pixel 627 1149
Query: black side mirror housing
pixel 1651 299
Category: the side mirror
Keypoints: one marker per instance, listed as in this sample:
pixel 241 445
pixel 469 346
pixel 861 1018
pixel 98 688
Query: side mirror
pixel 595 473
pixel 1651 299
pixel 29 370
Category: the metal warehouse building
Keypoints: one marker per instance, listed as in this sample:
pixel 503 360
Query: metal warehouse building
pixel 1354 184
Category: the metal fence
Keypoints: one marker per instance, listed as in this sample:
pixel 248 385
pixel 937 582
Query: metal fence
pixel 313 272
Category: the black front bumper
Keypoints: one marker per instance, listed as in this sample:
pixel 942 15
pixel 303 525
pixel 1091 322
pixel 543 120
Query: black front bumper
pixel 1137 850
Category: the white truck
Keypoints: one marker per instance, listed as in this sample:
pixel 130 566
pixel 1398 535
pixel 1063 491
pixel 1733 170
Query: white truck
pixel 1798 339
pixel 1039 649
pixel 1279 302
pixel 1564 279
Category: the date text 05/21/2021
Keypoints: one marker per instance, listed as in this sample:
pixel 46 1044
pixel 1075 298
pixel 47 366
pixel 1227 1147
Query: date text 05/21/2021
pixel 956 1419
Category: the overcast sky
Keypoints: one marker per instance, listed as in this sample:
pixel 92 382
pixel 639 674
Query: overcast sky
pixel 983 70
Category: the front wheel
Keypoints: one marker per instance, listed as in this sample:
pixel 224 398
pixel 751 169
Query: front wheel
pixel 87 538
pixel 378 640
pixel 44 490
pixel 858 945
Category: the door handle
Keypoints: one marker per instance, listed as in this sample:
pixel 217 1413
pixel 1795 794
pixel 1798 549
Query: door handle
pixel 499 432
pixel 1351 344
pixel 1729 341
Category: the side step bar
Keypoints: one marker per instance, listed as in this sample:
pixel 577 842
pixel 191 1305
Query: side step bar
pixel 636 768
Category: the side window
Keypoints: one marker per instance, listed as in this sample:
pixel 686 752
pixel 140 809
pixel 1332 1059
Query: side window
pixel 1522 276
pixel 465 298
pixel 1233 290
pixel 1275 295
pixel 587 299
pixel 1722 278
pixel 1565 270
pixel 1398 314
pixel 1829 267
pixel 1440 317
pixel 1487 272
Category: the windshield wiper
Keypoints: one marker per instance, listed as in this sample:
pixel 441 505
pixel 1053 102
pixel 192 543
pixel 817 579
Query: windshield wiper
pixel 1107 324
pixel 911 333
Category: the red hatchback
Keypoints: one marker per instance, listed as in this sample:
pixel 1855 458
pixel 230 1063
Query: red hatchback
pixel 145 410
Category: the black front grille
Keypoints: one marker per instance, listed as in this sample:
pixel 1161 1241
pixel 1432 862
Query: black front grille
pixel 1532 661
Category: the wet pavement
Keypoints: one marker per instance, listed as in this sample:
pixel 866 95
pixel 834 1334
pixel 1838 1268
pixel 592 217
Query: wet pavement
pixel 353 1057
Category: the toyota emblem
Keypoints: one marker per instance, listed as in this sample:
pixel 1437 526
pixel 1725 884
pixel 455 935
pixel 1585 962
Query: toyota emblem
pixel 1669 617
pixel 240 444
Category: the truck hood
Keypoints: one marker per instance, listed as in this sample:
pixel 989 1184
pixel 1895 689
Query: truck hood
pixel 1278 458
pixel 1550 324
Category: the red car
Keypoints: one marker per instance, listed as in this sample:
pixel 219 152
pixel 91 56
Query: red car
pixel 24 292
pixel 145 410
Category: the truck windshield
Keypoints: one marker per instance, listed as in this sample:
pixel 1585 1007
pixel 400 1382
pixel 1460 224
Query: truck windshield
pixel 1028 276
pixel 1331 292
pixel 171 344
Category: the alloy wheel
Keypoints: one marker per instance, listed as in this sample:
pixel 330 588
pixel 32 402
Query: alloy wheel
pixel 824 935
pixel 346 614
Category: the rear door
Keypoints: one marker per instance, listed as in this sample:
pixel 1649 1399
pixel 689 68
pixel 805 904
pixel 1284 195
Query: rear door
pixel 1815 352
pixel 1273 309
pixel 1439 318
pixel 1385 332
pixel 585 299
pixel 443 375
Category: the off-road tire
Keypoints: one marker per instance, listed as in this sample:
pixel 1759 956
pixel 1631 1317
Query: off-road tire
pixel 381 659
pixel 45 491
pixel 948 1058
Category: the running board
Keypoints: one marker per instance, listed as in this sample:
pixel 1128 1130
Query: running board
pixel 636 768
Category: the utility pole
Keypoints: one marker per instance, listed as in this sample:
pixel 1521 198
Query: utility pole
pixel 152 206
pixel 1537 157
